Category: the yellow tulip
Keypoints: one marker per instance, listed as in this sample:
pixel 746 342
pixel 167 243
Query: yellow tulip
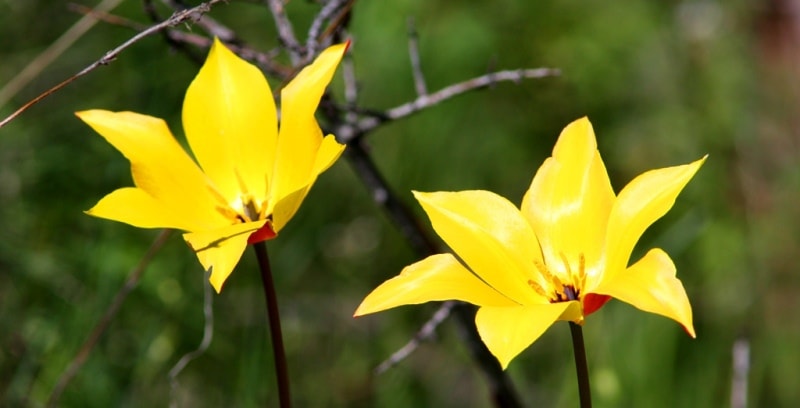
pixel 249 177
pixel 560 256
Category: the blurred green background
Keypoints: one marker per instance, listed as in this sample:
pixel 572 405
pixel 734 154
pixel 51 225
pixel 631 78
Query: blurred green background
pixel 662 82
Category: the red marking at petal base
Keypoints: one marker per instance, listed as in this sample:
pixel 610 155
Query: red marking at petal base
pixel 347 46
pixel 264 233
pixel 592 303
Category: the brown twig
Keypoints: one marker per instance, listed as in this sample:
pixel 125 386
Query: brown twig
pixel 427 332
pixel 52 52
pixel 332 11
pixel 266 61
pixel 101 326
pixel 347 132
pixel 285 31
pixel 413 55
pixel 175 19
pixel 205 342
pixel 741 372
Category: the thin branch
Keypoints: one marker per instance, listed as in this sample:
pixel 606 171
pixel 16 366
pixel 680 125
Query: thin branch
pixel 208 335
pixel 175 19
pixel 315 40
pixel 35 67
pixel 427 332
pixel 350 88
pixel 741 372
pixel 208 24
pixel 101 326
pixel 150 10
pixel 285 31
pixel 347 132
pixel 413 54
pixel 265 61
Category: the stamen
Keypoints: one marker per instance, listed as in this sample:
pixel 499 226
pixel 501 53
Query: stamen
pixel 549 277
pixel 537 288
pixel 217 195
pixel 240 180
pixel 227 212
pixel 582 271
pixel 566 265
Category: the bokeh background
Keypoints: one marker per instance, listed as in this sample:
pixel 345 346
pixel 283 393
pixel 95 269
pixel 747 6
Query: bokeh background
pixel 663 83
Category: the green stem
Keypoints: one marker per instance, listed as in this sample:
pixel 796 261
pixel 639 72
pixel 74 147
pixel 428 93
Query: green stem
pixel 281 368
pixel 580 365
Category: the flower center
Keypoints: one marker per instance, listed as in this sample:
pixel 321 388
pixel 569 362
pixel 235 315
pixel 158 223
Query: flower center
pixel 560 284
pixel 248 208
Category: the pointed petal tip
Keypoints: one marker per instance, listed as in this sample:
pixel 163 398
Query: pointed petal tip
pixel 216 283
pixel 690 332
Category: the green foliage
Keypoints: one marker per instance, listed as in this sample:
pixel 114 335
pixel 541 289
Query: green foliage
pixel 663 83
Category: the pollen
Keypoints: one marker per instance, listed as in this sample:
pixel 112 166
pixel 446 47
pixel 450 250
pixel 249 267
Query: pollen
pixel 560 284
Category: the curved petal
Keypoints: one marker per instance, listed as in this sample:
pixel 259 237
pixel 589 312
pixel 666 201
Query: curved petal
pixel 284 207
pixel 569 200
pixel 507 331
pixel 220 250
pixel 134 206
pixel 651 285
pixel 300 136
pixel 644 200
pixel 490 235
pixel 162 169
pixel 231 124
pixel 435 278
pixel 329 151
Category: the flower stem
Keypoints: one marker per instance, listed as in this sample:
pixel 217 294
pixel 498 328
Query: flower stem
pixel 281 368
pixel 580 365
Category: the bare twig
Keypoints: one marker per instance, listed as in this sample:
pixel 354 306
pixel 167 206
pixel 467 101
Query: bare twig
pixel 208 24
pixel 427 332
pixel 741 371
pixel 175 19
pixel 413 54
pixel 101 326
pixel 316 40
pixel 150 10
pixel 208 335
pixel 52 52
pixel 347 132
pixel 350 88
pixel 285 31
pixel 105 16
pixel 266 61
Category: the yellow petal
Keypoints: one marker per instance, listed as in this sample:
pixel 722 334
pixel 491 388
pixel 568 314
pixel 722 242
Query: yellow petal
pixel 220 250
pixel 329 151
pixel 300 136
pixel 490 235
pixel 284 207
pixel 230 122
pixel 643 201
pixel 162 169
pixel 569 200
pixel 135 207
pixel 507 331
pixel 435 278
pixel 651 285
